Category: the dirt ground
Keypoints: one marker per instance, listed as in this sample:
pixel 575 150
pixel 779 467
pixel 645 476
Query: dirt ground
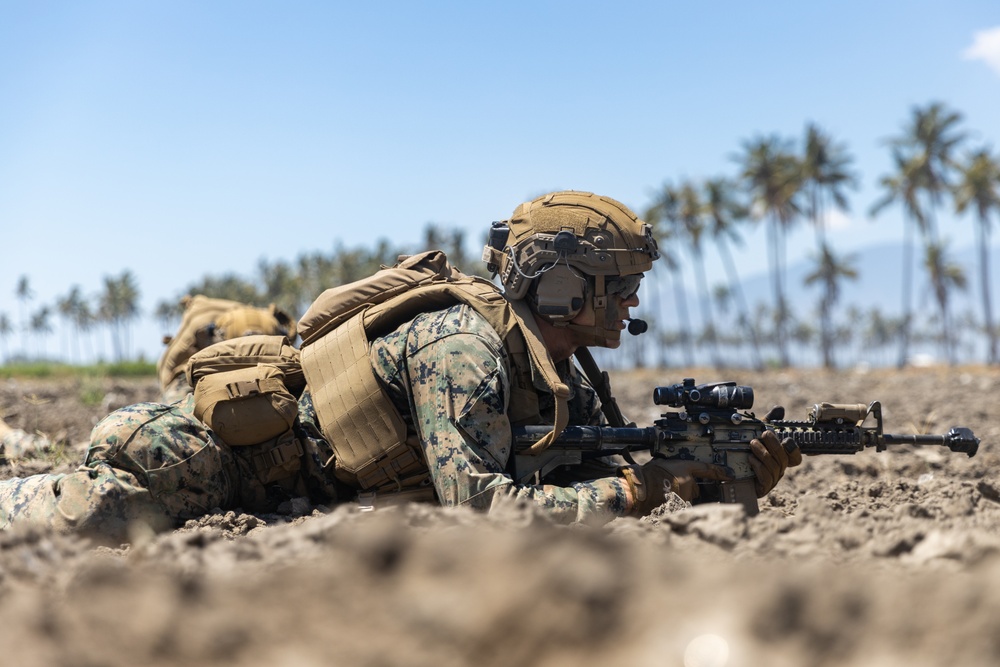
pixel 886 559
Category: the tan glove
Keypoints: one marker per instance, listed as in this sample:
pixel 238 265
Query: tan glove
pixel 650 483
pixel 770 459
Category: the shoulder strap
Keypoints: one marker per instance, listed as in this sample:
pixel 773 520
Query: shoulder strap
pixel 543 361
pixel 602 385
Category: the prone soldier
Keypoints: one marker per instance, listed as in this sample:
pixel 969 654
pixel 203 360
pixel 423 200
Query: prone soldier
pixel 415 397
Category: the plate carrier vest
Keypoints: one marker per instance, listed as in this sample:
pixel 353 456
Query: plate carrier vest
pixel 366 431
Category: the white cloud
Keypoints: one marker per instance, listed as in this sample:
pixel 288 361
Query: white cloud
pixel 835 219
pixel 985 47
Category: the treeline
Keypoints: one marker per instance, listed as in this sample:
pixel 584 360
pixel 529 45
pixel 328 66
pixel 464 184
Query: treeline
pixel 940 178
pixel 107 316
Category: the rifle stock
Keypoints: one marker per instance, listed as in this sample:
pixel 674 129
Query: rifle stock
pixel 712 424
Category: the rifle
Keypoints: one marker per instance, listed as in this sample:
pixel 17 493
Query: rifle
pixel 711 424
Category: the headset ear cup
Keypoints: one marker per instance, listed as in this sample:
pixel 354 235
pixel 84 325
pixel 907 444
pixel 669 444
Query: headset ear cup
pixel 559 294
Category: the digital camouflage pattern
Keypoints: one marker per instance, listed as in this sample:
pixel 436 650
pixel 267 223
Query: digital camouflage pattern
pixel 449 376
pixel 176 389
pixel 148 464
pixel 152 466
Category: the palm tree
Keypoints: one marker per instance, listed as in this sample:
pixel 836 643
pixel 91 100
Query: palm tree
pixel 773 177
pixel 281 286
pixel 691 216
pixel 945 276
pixel 904 187
pixel 980 187
pixel 723 211
pixel 119 306
pixel 41 328
pixel 829 271
pixel 663 217
pixel 24 294
pixel 5 330
pixel 846 334
pixel 880 331
pixel 930 140
pixel 168 313
pixel 228 286
pixel 824 174
pixel 68 307
pixel 84 319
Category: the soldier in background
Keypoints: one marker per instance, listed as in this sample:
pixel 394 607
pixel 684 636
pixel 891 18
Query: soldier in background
pixel 204 321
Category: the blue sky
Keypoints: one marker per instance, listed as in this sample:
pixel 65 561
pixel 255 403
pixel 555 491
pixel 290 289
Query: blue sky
pixel 177 139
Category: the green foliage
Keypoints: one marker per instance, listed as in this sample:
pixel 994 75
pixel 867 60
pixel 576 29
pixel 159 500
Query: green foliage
pixel 131 369
pixel 54 369
pixel 91 390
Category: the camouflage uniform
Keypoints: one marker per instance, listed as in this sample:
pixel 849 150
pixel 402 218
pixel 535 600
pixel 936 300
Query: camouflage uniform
pixel 157 465
pixel 176 389
pixel 446 371
pixel 448 374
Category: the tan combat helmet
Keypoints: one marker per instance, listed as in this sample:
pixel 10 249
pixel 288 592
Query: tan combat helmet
pixel 565 247
pixel 248 321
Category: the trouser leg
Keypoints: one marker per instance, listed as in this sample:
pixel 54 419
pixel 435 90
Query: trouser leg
pixel 149 464
pixel 99 502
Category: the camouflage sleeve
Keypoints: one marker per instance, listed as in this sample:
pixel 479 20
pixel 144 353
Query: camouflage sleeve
pixel 459 384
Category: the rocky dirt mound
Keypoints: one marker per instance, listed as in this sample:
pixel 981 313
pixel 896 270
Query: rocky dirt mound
pixel 886 558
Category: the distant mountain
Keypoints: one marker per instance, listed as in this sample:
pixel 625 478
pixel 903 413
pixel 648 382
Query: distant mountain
pixel 879 283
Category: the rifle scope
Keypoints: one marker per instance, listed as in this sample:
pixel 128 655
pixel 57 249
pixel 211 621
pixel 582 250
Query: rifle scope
pixel 715 395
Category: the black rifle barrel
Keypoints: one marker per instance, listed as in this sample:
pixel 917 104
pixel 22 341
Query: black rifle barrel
pixel 589 437
pixel 958 439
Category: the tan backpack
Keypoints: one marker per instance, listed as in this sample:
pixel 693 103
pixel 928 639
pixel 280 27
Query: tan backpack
pixel 338 304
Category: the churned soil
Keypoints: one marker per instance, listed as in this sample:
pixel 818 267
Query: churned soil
pixel 887 559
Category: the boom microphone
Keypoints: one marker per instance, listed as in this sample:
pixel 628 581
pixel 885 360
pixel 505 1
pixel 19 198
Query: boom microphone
pixel 636 327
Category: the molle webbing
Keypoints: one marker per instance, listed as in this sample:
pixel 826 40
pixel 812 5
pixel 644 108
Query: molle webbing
pixel 354 412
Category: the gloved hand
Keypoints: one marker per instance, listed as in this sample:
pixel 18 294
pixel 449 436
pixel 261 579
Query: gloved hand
pixel 770 457
pixel 651 482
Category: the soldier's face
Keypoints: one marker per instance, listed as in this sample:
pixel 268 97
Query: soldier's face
pixel 615 314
